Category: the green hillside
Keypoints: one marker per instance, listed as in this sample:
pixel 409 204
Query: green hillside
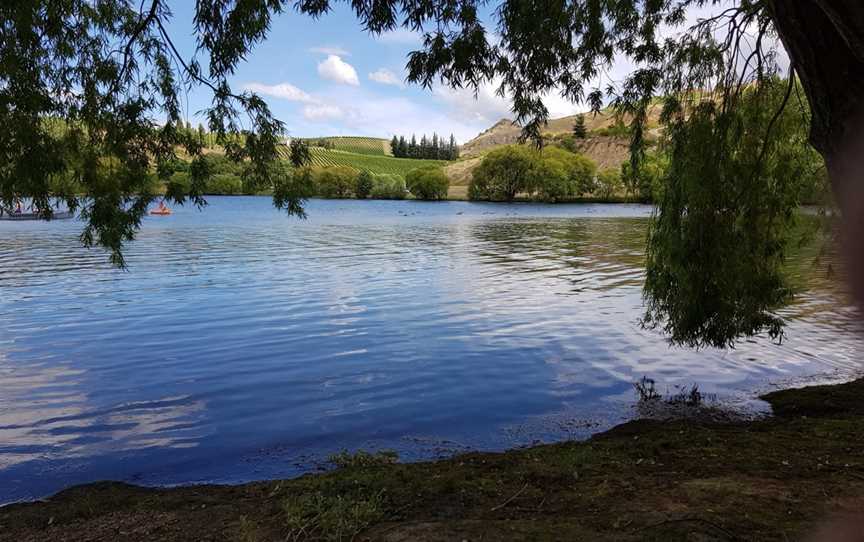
pixel 367 162
pixel 372 146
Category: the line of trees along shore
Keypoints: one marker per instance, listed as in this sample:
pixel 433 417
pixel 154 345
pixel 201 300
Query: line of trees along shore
pixel 226 177
pixel 433 148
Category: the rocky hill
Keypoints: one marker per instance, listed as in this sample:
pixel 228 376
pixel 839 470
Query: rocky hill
pixel 608 151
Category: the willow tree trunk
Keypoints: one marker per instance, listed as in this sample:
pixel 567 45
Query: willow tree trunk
pixel 825 42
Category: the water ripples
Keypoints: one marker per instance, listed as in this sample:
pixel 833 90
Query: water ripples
pixel 241 344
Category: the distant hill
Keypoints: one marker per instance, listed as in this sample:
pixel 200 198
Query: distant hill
pixel 608 151
pixel 504 132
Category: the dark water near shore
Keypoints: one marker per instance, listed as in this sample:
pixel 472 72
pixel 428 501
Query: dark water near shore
pixel 242 345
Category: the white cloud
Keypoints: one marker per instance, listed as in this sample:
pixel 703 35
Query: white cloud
pixel 347 110
pixel 329 50
pixel 285 91
pixel 560 106
pixel 401 36
pixel 486 107
pixel 339 71
pixel 386 77
pixel 322 112
pixel 489 107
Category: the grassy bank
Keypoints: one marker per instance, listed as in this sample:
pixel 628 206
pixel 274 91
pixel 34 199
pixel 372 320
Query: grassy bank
pixel 772 479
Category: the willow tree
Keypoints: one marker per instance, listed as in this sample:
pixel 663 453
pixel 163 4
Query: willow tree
pixel 109 71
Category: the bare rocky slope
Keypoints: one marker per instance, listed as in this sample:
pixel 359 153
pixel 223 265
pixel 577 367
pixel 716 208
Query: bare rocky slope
pixel 504 132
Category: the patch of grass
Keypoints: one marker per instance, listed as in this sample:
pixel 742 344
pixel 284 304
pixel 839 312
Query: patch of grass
pixel 320 516
pixel 247 530
pixel 831 399
pixel 345 459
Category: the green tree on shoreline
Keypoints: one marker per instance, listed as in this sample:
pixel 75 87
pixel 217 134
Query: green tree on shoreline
pixel 428 183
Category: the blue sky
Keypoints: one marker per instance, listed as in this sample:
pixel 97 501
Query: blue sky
pixel 329 77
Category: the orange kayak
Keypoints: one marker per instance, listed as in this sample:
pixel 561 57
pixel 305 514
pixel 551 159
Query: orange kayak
pixel 163 212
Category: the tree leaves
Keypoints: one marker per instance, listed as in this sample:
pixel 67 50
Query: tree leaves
pixel 89 101
pixel 717 242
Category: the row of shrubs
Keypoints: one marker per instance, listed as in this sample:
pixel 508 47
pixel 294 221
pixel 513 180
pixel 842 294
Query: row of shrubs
pixel 551 175
pixel 556 174
pixel 425 183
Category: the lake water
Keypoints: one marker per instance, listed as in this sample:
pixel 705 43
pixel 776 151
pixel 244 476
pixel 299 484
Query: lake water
pixel 241 344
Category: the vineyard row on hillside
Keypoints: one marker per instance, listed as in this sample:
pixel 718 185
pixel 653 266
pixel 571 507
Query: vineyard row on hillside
pixel 360 145
pixel 365 162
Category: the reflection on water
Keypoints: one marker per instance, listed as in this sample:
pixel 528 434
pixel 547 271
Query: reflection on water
pixel 242 344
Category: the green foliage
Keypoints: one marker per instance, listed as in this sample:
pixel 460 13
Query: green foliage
pixel 616 129
pixel 298 153
pixel 428 149
pixel 428 183
pixel 224 184
pixel 299 183
pixel 565 141
pixel 552 175
pixel 328 517
pixel 362 459
pixel 579 131
pixel 608 183
pixel 646 184
pixel 504 173
pixel 221 165
pixel 335 181
pixel 561 175
pixel 364 185
pixel 179 181
pixel 103 72
pixel 717 243
pixel 551 181
pixel 303 181
pixel 581 172
pixel 388 187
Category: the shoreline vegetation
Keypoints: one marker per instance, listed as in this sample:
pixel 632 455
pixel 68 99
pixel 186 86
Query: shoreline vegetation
pixel 362 168
pixel 773 478
pixel 365 168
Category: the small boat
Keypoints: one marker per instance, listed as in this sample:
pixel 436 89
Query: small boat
pixel 162 210
pixel 57 215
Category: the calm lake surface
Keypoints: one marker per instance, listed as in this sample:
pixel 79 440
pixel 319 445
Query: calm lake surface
pixel 242 344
